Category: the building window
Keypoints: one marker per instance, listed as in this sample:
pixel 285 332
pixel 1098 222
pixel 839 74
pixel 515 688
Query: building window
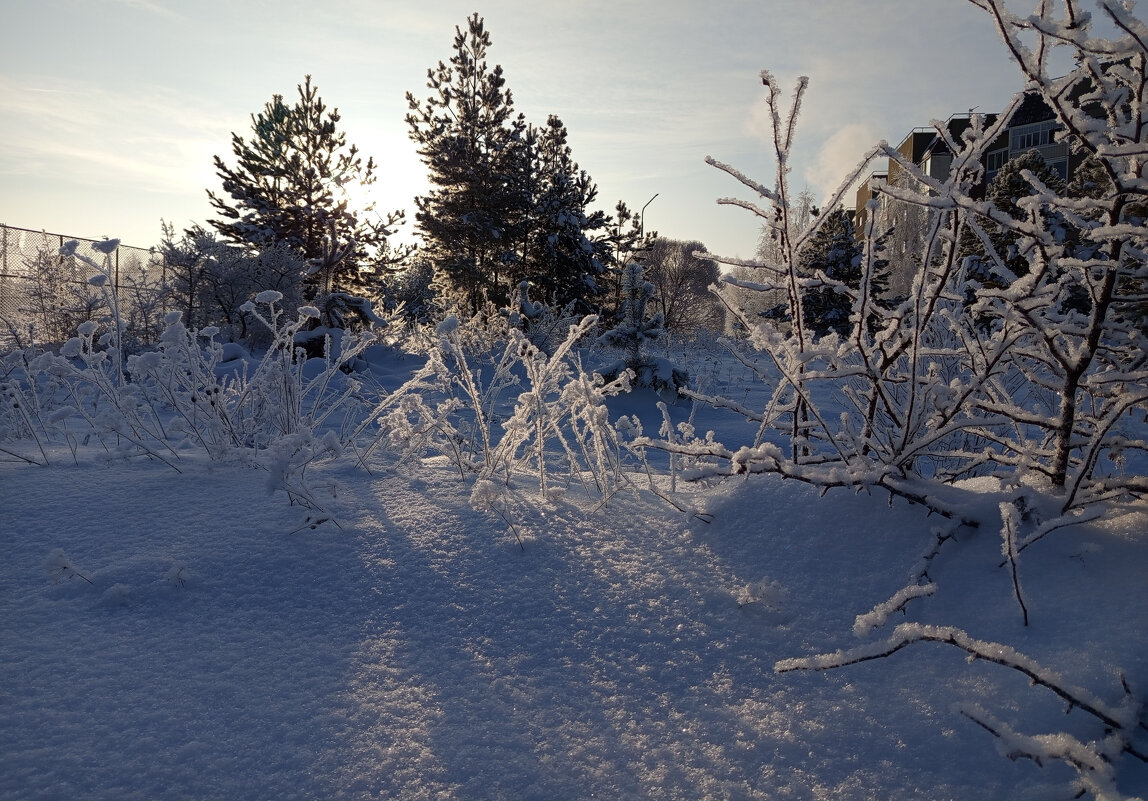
pixel 1026 137
pixel 995 160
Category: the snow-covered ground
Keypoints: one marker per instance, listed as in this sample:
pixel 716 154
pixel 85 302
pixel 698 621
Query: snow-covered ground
pixel 176 635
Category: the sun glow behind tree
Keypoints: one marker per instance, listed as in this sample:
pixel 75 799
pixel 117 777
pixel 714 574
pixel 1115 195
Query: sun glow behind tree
pixel 404 177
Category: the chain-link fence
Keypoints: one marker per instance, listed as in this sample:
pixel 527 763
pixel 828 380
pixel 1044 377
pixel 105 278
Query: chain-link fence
pixel 46 294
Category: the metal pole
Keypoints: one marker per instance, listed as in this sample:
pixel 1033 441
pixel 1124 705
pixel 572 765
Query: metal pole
pixel 642 215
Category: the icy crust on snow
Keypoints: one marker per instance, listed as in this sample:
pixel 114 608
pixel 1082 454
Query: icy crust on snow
pixel 165 636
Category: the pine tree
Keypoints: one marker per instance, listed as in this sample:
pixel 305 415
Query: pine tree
pixel 508 202
pixel 287 188
pixel 560 259
pixel 475 152
pixel 622 240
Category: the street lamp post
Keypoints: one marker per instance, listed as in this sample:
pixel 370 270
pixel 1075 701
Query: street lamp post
pixel 642 214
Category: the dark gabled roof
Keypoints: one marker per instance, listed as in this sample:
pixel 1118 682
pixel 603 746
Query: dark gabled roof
pixel 957 125
pixel 1032 109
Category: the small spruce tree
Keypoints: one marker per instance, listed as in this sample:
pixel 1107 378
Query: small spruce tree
pixel 622 239
pixel 634 332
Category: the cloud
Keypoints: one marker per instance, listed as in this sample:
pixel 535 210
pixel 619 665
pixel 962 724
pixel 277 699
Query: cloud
pixel 152 7
pixel 155 140
pixel 840 154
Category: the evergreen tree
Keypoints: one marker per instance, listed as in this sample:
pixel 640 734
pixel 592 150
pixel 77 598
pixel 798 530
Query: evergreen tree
pixel 1007 188
pixel 287 188
pixel 1130 297
pixel 622 240
pixel 475 151
pixel 634 330
pixel 561 260
pixel 832 252
pixel 508 202
pixel 409 291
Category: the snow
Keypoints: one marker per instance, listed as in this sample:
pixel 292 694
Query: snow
pixel 223 577
pixel 189 635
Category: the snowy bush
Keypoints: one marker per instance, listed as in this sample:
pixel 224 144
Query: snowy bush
pixel 281 412
pixel 211 281
pixel 1044 393
pixel 545 326
pixel 454 407
pixel 1042 383
pixel 53 305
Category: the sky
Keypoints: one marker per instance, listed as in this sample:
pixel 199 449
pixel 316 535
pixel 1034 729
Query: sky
pixel 112 110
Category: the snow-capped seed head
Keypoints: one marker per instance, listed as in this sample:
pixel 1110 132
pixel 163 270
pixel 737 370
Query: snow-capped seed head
pixel 99 279
pixel 484 494
pixel 61 414
pixel 269 296
pixel 87 328
pixel 145 362
pixel 69 248
pixel 172 317
pixel 71 349
pixel 107 246
pixel 308 311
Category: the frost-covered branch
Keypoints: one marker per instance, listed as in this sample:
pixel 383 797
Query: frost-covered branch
pixel 907 634
pixel 1093 761
pixel 876 617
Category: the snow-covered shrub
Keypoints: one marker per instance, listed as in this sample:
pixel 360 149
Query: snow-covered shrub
pixel 545 326
pixel 282 411
pixel 60 288
pixel 1045 393
pixel 54 301
pixel 146 299
pixel 1042 383
pixel 409 291
pixel 453 407
pixel 1096 761
pixel 211 281
pixel 257 402
pixel 564 404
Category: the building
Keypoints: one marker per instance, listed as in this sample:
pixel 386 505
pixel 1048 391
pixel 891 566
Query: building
pixel 1033 126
